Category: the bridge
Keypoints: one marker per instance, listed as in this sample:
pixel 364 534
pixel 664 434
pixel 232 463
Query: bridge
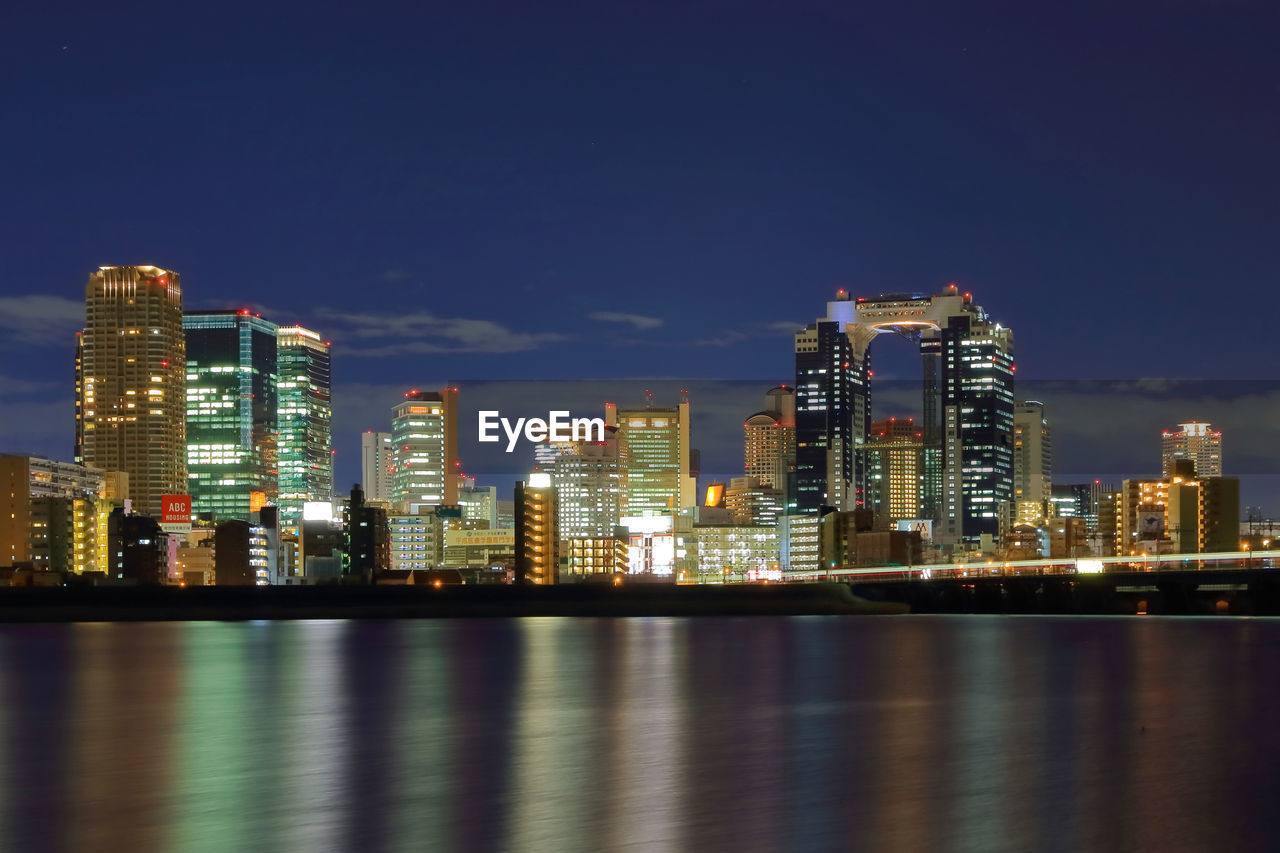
pixel 1242 582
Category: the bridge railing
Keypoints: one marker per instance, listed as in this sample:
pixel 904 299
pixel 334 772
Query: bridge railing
pixel 1220 561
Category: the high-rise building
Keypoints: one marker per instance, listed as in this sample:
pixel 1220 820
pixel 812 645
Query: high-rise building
pixel 1194 441
pixel 659 479
pixel 752 503
pixel 231 413
pixel 590 482
pixel 976 381
pixel 1032 454
pixel 968 407
pixel 894 454
pixel 769 439
pixel 827 415
pixel 537 544
pixel 424 432
pixel 132 381
pixel 304 421
pixel 377 465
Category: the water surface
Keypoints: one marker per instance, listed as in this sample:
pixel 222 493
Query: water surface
pixel 737 734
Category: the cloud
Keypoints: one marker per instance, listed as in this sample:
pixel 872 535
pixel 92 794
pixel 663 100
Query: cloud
pixel 394 275
pixel 39 319
pixel 420 332
pixel 14 386
pixel 782 327
pixel 637 321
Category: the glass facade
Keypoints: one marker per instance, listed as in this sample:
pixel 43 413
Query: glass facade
pixel 231 413
pixel 424 437
pixel 827 381
pixel 304 421
pixel 657 471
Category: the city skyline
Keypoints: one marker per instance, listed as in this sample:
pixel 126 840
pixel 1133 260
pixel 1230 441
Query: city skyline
pixel 480 208
pixel 727 416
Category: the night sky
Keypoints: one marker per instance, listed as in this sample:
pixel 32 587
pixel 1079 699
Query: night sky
pixel 482 190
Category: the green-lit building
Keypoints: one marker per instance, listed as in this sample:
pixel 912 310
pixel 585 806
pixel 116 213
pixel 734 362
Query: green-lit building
pixel 231 413
pixel 304 421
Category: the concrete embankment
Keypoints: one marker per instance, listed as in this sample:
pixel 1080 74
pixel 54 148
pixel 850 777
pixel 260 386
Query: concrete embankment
pixel 115 604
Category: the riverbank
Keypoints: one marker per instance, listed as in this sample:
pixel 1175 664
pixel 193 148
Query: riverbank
pixel 143 604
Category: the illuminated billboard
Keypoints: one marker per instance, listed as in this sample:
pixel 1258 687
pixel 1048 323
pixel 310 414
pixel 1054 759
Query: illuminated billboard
pixel 175 513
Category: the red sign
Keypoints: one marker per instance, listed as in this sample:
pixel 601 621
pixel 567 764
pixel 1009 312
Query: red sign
pixel 175 513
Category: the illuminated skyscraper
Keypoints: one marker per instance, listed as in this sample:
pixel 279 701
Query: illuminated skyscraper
pixel 590 481
pixel 826 416
pixel 1194 441
pixel 895 465
pixel 424 432
pixel 1032 454
pixel 231 413
pixel 658 476
pixel 975 365
pixel 132 382
pixel 377 465
pixel 968 406
pixel 769 439
pixel 304 421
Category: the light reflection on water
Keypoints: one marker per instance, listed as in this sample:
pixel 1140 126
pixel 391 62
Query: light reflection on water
pixel 817 733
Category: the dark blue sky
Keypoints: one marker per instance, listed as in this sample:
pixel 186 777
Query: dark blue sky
pixel 1103 176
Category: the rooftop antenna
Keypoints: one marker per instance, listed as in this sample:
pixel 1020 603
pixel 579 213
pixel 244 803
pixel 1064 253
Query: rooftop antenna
pixel 684 395
pixel 648 395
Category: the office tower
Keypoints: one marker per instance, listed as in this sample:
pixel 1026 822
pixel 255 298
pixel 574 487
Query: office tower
pixel 304 419
pixel 368 541
pixel 377 465
pixel 1194 441
pixel 231 413
pixel 424 432
pixel 827 375
pixel 976 366
pixel 752 503
pixel 1076 500
pixel 590 481
pixel 659 480
pixel 967 427
pixel 479 503
pixel 769 439
pixel 537 545
pixel 894 454
pixel 1032 454
pixel 132 381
